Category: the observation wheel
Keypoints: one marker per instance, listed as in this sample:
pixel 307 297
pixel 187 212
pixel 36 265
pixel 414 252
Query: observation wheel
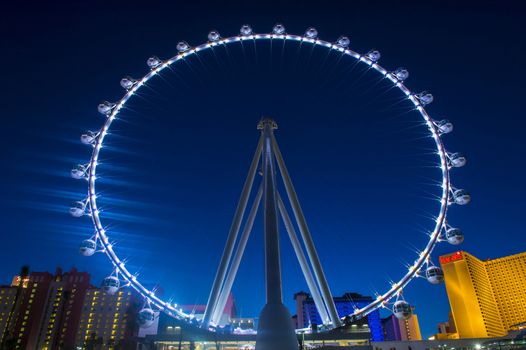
pixel 422 266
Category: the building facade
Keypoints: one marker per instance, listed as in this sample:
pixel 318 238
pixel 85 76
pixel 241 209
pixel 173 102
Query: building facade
pixel 47 310
pixel 108 321
pixel 7 306
pixel 307 314
pixel 60 319
pixel 446 330
pixel 487 297
pixel 27 325
pixel 400 330
pixel 176 335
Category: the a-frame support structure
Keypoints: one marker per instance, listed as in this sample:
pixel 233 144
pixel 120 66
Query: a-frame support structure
pixel 275 330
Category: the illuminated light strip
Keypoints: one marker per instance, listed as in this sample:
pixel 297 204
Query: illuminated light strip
pixel 358 313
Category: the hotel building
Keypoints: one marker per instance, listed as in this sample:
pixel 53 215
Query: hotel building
pixel 27 325
pixel 401 330
pixel 307 314
pixel 108 320
pixel 487 297
pixel 48 309
pixel 7 304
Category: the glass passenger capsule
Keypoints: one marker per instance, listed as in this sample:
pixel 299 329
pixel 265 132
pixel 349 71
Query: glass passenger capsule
pixel 110 285
pixel 278 29
pixel 78 209
pixel 402 310
pixel 245 30
pixel 89 137
pixel 79 172
pixel 401 74
pixel 424 98
pixel 461 197
pixel 154 62
pixel 87 247
pixel 182 46
pixel 105 107
pixel 454 236
pixel 128 82
pixel 434 275
pixel 311 33
pixel 457 160
pixel 373 55
pixel 213 36
pixel 146 317
pixel 343 41
pixel 444 126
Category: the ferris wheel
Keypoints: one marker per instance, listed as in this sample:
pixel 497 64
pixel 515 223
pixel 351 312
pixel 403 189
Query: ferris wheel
pixel 422 266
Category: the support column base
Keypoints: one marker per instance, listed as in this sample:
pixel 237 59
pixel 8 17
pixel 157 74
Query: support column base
pixel 275 330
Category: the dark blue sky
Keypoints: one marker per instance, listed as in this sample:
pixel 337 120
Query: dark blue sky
pixel 174 165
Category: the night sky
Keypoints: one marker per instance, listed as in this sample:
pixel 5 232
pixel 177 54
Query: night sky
pixel 176 159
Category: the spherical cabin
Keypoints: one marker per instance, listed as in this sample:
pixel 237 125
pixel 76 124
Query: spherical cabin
pixel 343 41
pixel 153 62
pixel 311 33
pixel 78 172
pixel 105 107
pixel 145 317
pixel 128 82
pixel 110 285
pixel 213 36
pixel 278 29
pixel 444 126
pixel 373 55
pixel 461 197
pixel 457 160
pixel 182 46
pixel 78 209
pixel 454 236
pixel 87 247
pixel 88 138
pixel 402 310
pixel 401 74
pixel 434 275
pixel 425 98
pixel 245 30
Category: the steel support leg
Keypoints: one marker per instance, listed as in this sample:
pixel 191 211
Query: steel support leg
pixel 236 260
pixel 270 225
pixel 307 273
pixel 232 237
pixel 307 238
pixel 275 331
